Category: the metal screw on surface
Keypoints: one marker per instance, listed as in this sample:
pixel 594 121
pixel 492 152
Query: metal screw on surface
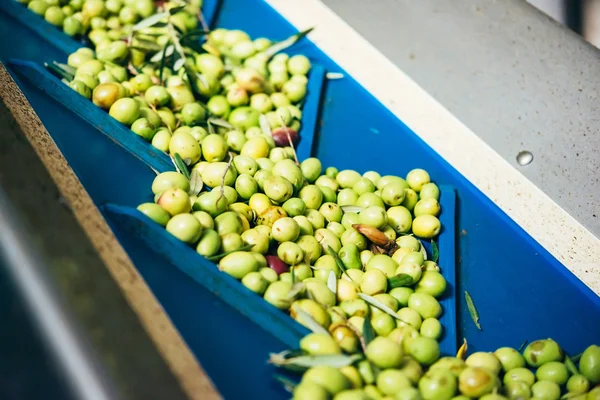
pixel 524 158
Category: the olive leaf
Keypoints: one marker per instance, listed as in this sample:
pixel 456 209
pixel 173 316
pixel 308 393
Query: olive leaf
pixel 196 183
pixel 307 320
pixel 571 365
pixel 368 333
pixel 339 262
pixel 60 72
pixel 150 21
pixel 145 45
pixel 293 275
pixel 167 51
pixel 288 384
pixel 297 288
pixel 195 33
pixel 180 165
pixel 306 362
pixel 277 47
pixel 435 251
pixel 217 257
pixel 178 64
pixel 220 122
pixel 162 60
pixel 472 310
pixel 462 351
pixel 332 282
pixel 523 346
pixel 264 125
pixel 400 280
pixel 576 357
pixel 376 303
pixel 175 10
pixel 65 67
pixel 334 75
pixel 351 209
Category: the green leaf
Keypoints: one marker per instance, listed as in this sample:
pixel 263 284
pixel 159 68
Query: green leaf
pixel 352 209
pixel 472 310
pixel 180 165
pixel 335 360
pixel 376 303
pixel 423 251
pixel 339 262
pixel 264 125
pixel 196 183
pixel 400 280
pixel 194 33
pixel 334 75
pixel 293 275
pixel 175 10
pixel 288 384
pixel 305 319
pixel 178 64
pixel 332 282
pixel 297 288
pixel 59 71
pixel 220 122
pixel 150 21
pixel 571 365
pixel 435 251
pixel 368 332
pixel 576 357
pixel 522 347
pixel 277 47
pixel 146 45
pixel 67 68
pixel 167 52
pixel 217 257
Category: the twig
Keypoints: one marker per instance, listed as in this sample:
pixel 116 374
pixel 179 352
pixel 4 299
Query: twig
pixel 223 178
pixel 202 20
pixel 287 132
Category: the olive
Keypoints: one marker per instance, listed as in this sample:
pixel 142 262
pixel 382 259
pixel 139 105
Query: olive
pixel 54 15
pixel 350 256
pixel 347 197
pixel 401 294
pixel 409 393
pixel 429 191
pixel 391 381
pixel 311 169
pixel 319 291
pixel 329 378
pixel 218 105
pixel 167 117
pixel 476 382
pixel 294 91
pixel 246 186
pixel 237 96
pixel 231 242
pixel 589 364
pixel 212 202
pixel 517 390
pixel 250 80
pixel 294 207
pixel 184 227
pixel 452 364
pixel 553 371
pixel 578 384
pixel 125 110
pixel 298 64
pixel 426 226
pixel 438 384
pixel 142 127
pixel 186 146
pixel 155 212
pixel 336 228
pixel 161 140
pixel 309 244
pixel 384 263
pixel 290 171
pixel 417 178
pixel 269 274
pixel 594 394
pixel 193 114
pixel 93 8
pixel 432 283
pixel 80 88
pixel 383 324
pixel 175 201
pixel 310 391
pixel 519 374
pixel 151 116
pixel 409 316
pixel 255 147
pixel 427 207
pixel 329 195
pixel 345 338
pixel 484 360
pixel 169 180
pixel 426 305
pixel 373 216
pixel 290 253
pixel 38 6
pixel 216 173
pixel 545 390
pixel 210 65
pixel 157 96
pixel 319 344
pixel 312 196
pixel 205 219
pixel 278 189
pixel 542 351
pixel 374 281
pixel 423 349
pixel 214 148
pixel 431 328
pixel 400 219
pixel 384 353
pixel 245 165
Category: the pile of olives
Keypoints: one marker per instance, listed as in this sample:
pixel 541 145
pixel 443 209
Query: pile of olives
pixel 541 372
pixel 175 98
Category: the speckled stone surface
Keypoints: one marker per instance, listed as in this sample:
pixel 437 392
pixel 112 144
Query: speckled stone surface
pixel 543 218
pixel 164 336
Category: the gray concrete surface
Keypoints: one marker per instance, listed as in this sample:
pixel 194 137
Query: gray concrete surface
pixel 514 76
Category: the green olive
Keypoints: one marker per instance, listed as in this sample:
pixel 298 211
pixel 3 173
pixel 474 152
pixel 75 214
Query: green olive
pixel 409 393
pixel 294 207
pixel 193 114
pixel 578 384
pixel 205 219
pixel 175 201
pixel 39 7
pixel 542 351
pixel 484 360
pixel 256 148
pixel 155 212
pixel 384 263
pixel 383 323
pixel 161 140
pixel 231 242
pixel 329 378
pixel 54 15
pixel 298 64
pixel 476 382
pixel 151 116
pixel 245 165
pixel 509 358
pixel 545 390
pixel 311 169
pixel 214 148
pixel 186 146
pixel 167 117
pixel 400 219
pixel 89 80
pixel 374 281
pixel 350 256
pixel 184 227
pixel 238 264
pixel 305 225
pixel 373 216
pixel 429 191
pixel 438 384
pixel 426 226
pixel 428 206
pixel 519 374
pixel 93 8
pixel 594 394
pixel 351 235
pixel 410 199
pixel 426 305
pixel 417 178
pixel 431 328
pixel 423 349
pixel 409 316
pixel 293 90
pixel 589 364
pixel 169 180
pixel 319 344
pixel 337 228
pixel 210 65
pixel 80 88
pixel 157 96
pixel 432 283
pixel 212 202
pixel 310 391
pixel 517 390
pixel 290 253
pixel 402 294
pixel 453 364
pixel 318 290
pixel 143 128
pixel 553 371
pixel 384 353
pixel 125 110
pixel 327 239
pixel 237 96
pixel 278 189
pixel 218 105
pixel 216 173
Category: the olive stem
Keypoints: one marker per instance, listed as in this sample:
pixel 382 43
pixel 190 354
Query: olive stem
pixel 289 139
pixel 224 175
